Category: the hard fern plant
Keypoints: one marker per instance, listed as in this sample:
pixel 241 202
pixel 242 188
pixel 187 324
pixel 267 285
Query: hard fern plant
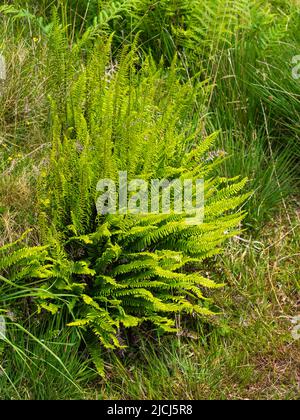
pixel 121 270
pixel 23 273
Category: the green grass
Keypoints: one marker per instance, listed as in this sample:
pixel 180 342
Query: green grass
pixel 36 366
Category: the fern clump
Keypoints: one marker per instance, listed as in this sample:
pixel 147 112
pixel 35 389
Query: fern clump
pixel 120 270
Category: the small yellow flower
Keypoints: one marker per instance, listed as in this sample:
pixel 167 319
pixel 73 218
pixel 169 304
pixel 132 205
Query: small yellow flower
pixel 35 39
pixel 10 159
pixel 45 203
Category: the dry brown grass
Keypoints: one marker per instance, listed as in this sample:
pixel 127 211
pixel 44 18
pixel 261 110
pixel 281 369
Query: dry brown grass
pixel 17 201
